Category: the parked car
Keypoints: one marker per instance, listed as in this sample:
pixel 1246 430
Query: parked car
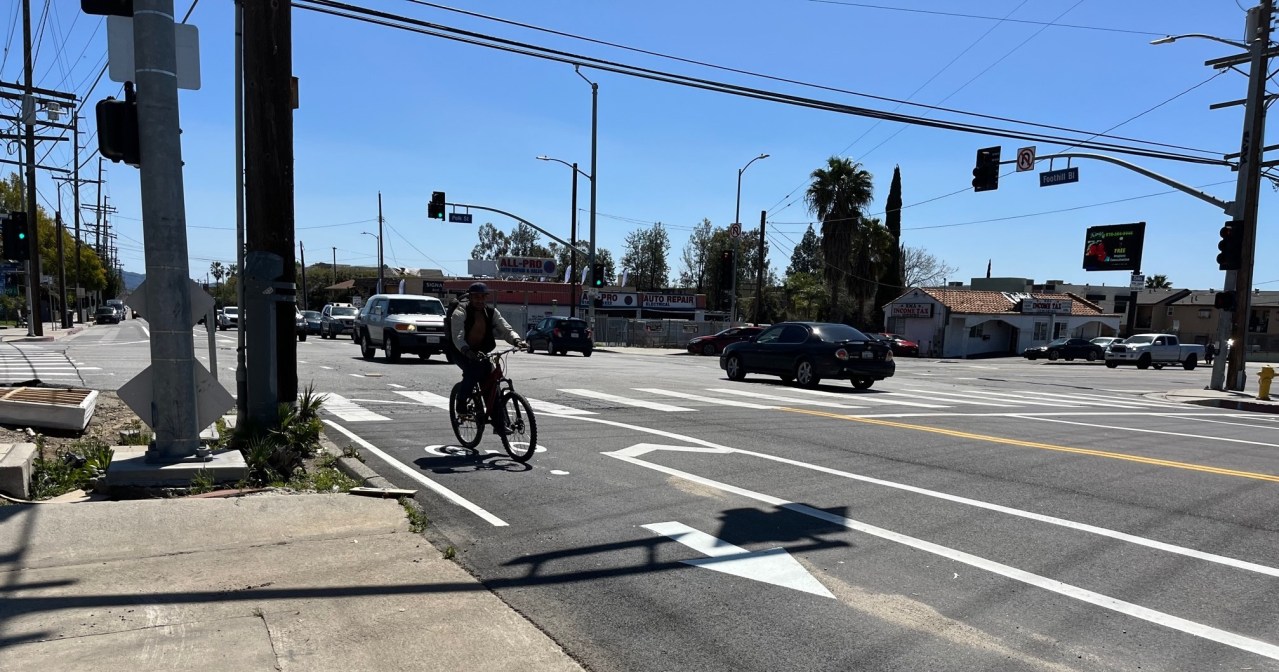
pixel 1106 341
pixel 715 343
pixel 1067 349
pixel 402 323
pixel 312 318
pixel 559 335
pixel 106 315
pixel 902 346
pixel 299 324
pixel 1157 350
pixel 229 317
pixel 337 318
pixel 119 306
pixel 807 352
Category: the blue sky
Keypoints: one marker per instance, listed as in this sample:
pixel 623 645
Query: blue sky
pixel 407 114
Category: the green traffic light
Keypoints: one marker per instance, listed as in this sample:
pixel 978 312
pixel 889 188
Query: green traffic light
pixel 22 236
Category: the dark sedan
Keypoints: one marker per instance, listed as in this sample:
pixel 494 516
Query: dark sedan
pixel 560 335
pixel 1067 349
pixel 807 352
pixel 715 343
pixel 312 318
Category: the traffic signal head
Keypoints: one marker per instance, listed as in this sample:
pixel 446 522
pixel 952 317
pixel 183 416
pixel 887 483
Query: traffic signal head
pixel 13 235
pixel 597 275
pixel 1230 255
pixel 1224 300
pixel 435 209
pixel 726 273
pixel 118 128
pixel 986 173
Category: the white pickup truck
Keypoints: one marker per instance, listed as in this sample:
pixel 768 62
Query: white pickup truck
pixel 1147 350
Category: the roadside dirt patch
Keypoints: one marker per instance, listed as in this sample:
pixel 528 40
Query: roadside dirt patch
pixel 110 417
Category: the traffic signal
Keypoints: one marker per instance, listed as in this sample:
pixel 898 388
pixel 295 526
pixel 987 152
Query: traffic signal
pixel 107 7
pixel 435 209
pixel 597 275
pixel 1230 257
pixel 13 235
pixel 118 128
pixel 726 270
pixel 986 174
pixel 1224 300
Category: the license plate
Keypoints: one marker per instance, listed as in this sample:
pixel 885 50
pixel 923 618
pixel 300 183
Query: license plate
pixel 432 339
pixel 868 355
pixel 577 334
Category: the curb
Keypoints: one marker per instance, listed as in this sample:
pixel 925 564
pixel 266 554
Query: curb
pixel 1237 405
pixel 353 467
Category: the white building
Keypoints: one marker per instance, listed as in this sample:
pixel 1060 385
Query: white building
pixel 950 322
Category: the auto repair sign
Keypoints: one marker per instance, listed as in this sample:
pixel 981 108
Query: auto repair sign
pixel 525 266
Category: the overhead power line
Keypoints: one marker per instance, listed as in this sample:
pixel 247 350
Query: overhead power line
pixel 959 15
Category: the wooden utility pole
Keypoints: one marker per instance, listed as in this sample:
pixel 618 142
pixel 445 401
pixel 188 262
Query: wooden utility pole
pixel 269 215
pixel 34 325
pixel 759 278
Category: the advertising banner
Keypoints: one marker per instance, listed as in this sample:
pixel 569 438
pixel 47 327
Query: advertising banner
pixel 675 302
pixel 525 266
pixel 1116 247
pixel 911 310
pixel 1045 306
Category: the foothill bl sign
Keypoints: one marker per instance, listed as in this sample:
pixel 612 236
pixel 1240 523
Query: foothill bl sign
pixel 1055 177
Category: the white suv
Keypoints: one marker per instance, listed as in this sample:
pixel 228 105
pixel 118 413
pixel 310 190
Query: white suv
pixel 229 317
pixel 402 323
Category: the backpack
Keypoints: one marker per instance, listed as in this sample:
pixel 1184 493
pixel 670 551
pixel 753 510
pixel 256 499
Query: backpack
pixel 449 348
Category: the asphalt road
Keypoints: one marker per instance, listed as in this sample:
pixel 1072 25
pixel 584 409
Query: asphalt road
pixel 990 514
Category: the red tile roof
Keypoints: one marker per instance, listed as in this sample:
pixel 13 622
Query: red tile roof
pixel 976 301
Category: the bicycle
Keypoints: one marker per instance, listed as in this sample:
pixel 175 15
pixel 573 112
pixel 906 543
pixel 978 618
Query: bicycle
pixel 514 424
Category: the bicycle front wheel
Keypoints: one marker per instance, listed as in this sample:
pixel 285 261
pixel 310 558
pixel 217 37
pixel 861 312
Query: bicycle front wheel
pixel 466 414
pixel 518 427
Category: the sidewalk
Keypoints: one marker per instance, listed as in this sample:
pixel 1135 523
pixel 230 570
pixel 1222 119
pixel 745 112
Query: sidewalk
pixel 1239 401
pixel 52 332
pixel 263 582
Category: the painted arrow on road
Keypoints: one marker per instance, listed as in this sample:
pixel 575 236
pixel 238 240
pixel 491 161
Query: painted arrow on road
pixel 773 565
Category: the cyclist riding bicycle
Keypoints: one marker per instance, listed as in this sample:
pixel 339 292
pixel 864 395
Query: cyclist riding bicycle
pixel 476 327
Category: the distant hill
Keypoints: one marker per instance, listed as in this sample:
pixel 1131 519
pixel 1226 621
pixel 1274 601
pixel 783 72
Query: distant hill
pixel 132 280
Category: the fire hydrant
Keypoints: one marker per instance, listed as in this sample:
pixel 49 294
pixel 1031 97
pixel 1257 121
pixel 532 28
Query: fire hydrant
pixel 1264 376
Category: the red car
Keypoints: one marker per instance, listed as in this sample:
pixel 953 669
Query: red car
pixel 900 345
pixel 715 343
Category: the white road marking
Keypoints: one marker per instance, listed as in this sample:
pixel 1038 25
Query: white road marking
pixel 788 400
pixel 559 472
pixel 395 385
pixel 1020 399
pixel 773 565
pixel 872 397
pixel 962 399
pixel 327 368
pixel 1052 585
pixel 145 330
pixel 552 407
pixel 1151 431
pixel 426 398
pixel 417 476
pixel 703 398
pixel 347 410
pixel 626 401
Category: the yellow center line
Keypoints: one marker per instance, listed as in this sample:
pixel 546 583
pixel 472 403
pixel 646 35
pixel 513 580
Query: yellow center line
pixel 1043 446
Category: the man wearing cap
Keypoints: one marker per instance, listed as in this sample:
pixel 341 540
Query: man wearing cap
pixel 476 327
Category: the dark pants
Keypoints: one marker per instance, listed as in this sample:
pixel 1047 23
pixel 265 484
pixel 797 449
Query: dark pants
pixel 473 371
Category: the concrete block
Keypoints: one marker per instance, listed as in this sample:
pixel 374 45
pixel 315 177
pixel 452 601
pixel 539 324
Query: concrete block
pixel 129 467
pixel 53 408
pixel 16 461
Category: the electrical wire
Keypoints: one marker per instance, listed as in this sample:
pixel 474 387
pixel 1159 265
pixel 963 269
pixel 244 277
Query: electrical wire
pixel 8 41
pixel 988 18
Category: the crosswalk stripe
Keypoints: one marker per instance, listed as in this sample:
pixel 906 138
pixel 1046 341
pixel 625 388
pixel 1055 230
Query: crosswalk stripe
pixel 704 398
pixel 426 398
pixel 348 410
pixel 788 400
pixel 626 401
pixel 1023 399
pixel 962 399
pixel 552 407
pixel 1128 400
pixel 1104 403
pixel 890 398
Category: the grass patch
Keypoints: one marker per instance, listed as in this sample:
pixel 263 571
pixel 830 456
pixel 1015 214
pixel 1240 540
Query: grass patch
pixel 136 434
pixel 202 482
pixel 276 453
pixel 417 517
pixel 74 467
pixel 450 553
pixel 321 479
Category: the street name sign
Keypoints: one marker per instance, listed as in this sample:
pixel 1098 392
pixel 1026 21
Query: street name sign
pixel 1055 177
pixel 459 217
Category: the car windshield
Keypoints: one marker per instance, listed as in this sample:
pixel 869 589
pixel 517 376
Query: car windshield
pixel 1137 340
pixel 106 309
pixel 342 311
pixel 1060 341
pixel 311 314
pixel 231 310
pixel 834 333
pixel 570 324
pixel 411 307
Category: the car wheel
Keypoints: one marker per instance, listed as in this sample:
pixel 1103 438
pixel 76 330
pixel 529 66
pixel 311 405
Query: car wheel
pixel 1144 362
pixel 1112 365
pixel 806 374
pixel 1159 367
pixel 1053 356
pixel 301 337
pixel 708 349
pixel 366 347
pixel 391 348
pixel 586 353
pixel 863 383
pixel 424 355
pixel 1190 363
pixel 1092 357
pixel 357 336
pixel 734 368
pixel 531 349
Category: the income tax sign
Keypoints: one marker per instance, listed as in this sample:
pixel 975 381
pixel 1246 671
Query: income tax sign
pixel 1115 247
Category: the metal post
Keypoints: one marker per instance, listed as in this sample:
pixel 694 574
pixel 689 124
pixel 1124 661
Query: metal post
pixel 75 133
pixel 1230 373
pixel 302 253
pixel 335 265
pixel 737 251
pixel 380 281
pixel 34 325
pixel 241 367
pixel 168 298
pixel 759 279
pixel 572 239
pixel 595 185
pixel 62 317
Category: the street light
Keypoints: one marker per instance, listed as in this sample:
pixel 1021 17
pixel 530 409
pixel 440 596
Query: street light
pixel 595 108
pixel 737 219
pixel 1173 38
pixel 379 259
pixel 572 238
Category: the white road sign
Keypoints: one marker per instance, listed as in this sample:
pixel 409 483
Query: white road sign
pixel 735 230
pixel 1025 159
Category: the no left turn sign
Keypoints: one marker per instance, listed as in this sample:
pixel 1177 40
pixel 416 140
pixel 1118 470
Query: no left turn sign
pixel 1025 159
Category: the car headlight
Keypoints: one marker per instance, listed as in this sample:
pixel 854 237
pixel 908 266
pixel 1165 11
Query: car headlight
pixel 888 356
pixel 406 327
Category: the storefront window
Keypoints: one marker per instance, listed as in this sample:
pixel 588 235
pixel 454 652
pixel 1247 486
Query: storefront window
pixel 1041 331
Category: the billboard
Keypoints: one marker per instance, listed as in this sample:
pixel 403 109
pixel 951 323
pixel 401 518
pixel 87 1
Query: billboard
pixel 525 266
pixel 1116 247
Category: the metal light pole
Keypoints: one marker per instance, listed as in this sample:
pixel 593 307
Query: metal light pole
pixel 379 259
pixel 380 279
pixel 737 247
pixel 595 100
pixel 572 238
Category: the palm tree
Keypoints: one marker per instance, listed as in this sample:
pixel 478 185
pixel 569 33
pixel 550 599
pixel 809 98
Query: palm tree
pixel 838 195
pixel 218 271
pixel 1158 282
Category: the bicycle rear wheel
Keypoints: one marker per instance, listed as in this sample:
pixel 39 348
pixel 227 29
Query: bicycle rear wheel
pixel 519 427
pixel 468 427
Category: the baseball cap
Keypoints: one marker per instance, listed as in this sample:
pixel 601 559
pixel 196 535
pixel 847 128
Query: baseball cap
pixel 478 288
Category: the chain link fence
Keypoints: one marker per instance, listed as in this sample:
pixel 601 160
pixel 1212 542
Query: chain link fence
pixel 621 331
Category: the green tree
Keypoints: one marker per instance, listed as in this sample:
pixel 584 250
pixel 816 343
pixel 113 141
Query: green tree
pixel 1158 282
pixel 891 279
pixel 807 255
pixel 645 257
pixel 525 241
pixel 493 243
pixel 696 256
pixel 218 271
pixel 838 195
